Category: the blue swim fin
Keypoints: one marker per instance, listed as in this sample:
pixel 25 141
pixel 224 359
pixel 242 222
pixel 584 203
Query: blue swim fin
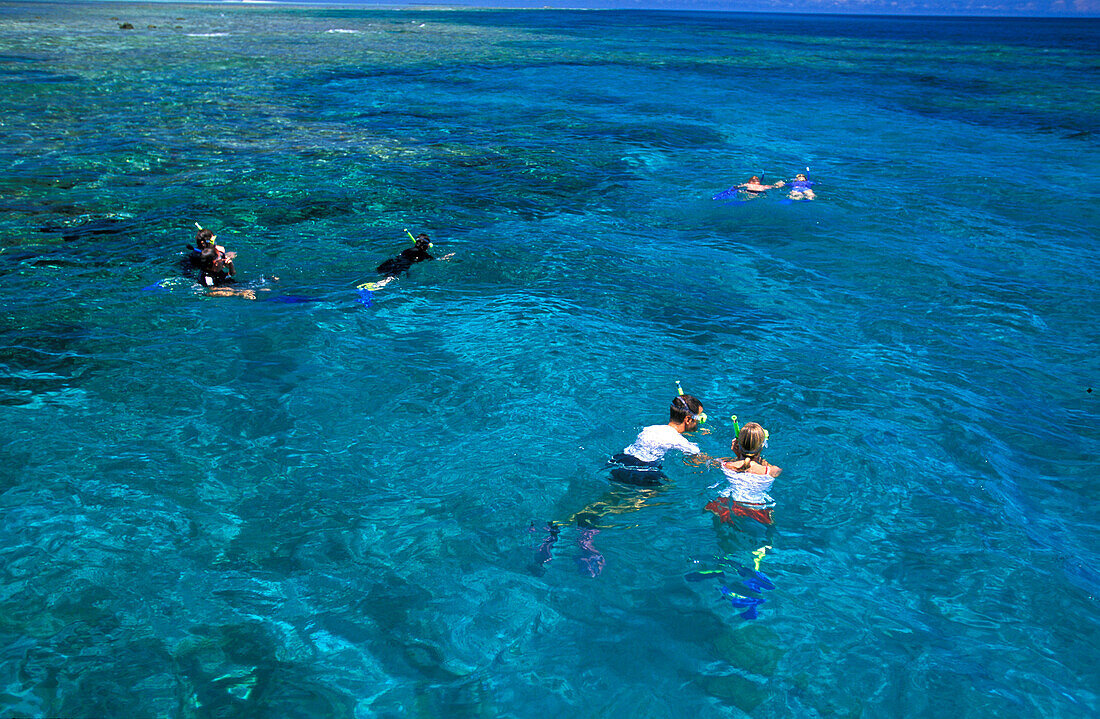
pixel 757 578
pixel 738 600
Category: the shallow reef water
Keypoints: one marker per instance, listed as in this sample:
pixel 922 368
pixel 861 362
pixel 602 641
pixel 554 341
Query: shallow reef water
pixel 308 505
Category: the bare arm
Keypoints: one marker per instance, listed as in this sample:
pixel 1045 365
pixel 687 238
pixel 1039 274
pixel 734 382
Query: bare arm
pixel 702 459
pixel 227 292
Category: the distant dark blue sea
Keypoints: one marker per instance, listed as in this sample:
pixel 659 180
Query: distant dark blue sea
pixel 325 502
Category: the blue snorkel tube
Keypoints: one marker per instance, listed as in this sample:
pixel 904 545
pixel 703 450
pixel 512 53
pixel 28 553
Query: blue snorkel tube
pixel 808 182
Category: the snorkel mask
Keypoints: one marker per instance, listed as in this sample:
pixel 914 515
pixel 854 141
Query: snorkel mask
pixel 701 418
pixel 430 245
pixel 210 241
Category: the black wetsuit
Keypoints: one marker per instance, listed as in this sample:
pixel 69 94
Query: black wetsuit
pixel 396 265
pixel 191 261
pixel 212 276
pixel 194 260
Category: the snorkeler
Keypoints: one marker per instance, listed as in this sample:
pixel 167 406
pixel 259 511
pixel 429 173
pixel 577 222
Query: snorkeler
pixel 754 185
pixel 205 239
pixel 801 188
pixel 393 267
pixel 750 441
pixel 640 463
pixel 214 264
pixel 749 478
pixel 216 273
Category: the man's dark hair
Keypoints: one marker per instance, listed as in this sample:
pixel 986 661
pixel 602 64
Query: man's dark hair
pixel 682 406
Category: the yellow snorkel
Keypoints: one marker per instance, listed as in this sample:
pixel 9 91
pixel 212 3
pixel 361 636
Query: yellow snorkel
pixel 212 237
pixel 430 245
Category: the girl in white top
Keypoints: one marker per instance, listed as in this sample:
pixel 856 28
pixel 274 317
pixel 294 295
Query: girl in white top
pixel 750 475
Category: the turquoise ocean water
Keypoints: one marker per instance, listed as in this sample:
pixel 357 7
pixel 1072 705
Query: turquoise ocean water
pixel 214 507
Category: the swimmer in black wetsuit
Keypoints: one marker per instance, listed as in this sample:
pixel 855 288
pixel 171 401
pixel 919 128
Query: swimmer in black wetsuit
pixel 394 266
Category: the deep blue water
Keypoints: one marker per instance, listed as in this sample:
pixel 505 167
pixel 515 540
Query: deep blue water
pixel 216 507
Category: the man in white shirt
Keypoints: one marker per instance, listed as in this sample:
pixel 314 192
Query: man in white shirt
pixel 640 463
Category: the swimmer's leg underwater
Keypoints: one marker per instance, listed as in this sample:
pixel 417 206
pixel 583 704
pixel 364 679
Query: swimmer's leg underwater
pixel 620 499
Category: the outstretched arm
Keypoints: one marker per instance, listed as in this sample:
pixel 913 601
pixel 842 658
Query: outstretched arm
pixel 702 459
pixel 227 292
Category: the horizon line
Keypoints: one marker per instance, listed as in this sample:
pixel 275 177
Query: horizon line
pixel 428 5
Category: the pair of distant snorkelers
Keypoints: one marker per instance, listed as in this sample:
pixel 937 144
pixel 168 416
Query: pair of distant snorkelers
pixel 214 264
pixel 801 187
pixel 640 462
